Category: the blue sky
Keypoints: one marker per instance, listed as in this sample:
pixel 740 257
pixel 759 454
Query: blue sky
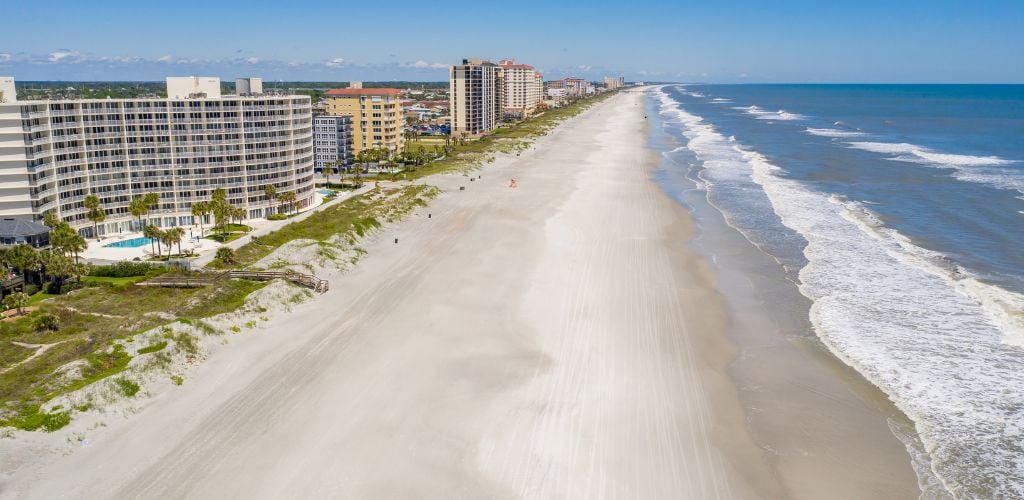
pixel 709 41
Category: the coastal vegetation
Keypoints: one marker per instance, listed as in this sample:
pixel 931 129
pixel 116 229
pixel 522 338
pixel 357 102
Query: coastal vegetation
pixel 335 226
pixel 73 340
pixel 462 155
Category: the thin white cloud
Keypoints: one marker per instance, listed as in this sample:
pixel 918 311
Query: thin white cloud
pixel 583 67
pixel 252 60
pixel 337 62
pixel 61 55
pixel 165 59
pixel 424 65
pixel 742 75
pixel 5 57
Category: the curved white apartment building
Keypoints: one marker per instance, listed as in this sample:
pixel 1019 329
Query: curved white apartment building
pixel 55 152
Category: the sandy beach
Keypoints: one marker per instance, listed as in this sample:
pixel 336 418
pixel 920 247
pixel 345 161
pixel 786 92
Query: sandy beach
pixel 553 340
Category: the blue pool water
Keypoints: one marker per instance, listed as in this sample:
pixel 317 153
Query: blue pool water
pixel 326 192
pixel 132 243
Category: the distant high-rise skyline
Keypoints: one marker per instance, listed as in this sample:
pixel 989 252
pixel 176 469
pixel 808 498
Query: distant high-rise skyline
pixel 744 41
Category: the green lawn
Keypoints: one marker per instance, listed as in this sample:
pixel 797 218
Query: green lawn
pixel 99 280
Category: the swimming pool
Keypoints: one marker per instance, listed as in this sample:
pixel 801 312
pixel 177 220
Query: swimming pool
pixel 132 243
pixel 327 192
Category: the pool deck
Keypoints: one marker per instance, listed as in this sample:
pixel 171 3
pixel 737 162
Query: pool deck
pixel 204 249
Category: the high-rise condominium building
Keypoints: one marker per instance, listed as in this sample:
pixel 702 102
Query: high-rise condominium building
pixel 476 94
pixel 376 116
pixel 7 91
pixel 612 83
pixel 523 88
pixel 53 153
pixel 332 142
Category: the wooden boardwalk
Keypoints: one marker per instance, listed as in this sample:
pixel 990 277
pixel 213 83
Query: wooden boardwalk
pixel 200 280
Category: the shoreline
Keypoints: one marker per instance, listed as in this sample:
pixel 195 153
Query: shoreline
pixel 557 338
pixel 824 426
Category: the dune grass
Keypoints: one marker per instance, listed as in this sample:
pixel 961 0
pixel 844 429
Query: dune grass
pixel 93 323
pixel 353 218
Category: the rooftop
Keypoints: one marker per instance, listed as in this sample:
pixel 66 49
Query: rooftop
pixel 355 92
pixel 21 227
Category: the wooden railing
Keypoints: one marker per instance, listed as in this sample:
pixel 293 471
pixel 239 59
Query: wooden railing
pixel 306 280
pixel 199 280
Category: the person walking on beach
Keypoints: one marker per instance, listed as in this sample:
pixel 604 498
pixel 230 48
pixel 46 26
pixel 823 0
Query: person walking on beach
pixel 512 183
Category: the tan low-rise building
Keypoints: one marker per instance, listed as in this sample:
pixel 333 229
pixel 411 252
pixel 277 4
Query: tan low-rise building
pixel 377 119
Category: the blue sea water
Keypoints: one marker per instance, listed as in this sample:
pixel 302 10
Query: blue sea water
pixel 898 210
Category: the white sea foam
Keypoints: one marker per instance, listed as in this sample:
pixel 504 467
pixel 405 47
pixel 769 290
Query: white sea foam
pixel 988 170
pixel 834 132
pixel 763 114
pixel 944 345
pixel 719 100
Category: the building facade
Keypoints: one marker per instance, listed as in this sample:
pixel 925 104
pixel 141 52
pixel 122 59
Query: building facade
pixel 523 89
pixel 7 91
pixel 476 91
pixel 332 142
pixel 612 83
pixel 574 87
pixel 53 153
pixel 376 114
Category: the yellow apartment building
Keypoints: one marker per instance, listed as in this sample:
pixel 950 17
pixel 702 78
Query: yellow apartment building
pixel 376 116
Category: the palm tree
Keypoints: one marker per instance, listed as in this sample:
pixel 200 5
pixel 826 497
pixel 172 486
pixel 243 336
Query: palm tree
pixel 221 209
pixel 200 210
pixel 167 238
pixel 174 235
pixel 57 266
pixel 289 198
pixel 24 258
pixel 50 219
pixel 357 170
pixel 238 214
pixel 75 244
pixel 62 237
pixel 271 193
pixel 138 208
pixel 327 174
pixel 95 213
pixel 152 201
pixel 153 233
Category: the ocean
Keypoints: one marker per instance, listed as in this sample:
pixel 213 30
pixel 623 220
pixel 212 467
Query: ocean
pixel 898 212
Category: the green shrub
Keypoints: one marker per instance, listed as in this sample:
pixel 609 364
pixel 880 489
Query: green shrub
pixel 56 420
pixel 277 217
pixel 33 420
pixel 125 269
pixel 225 255
pixel 127 387
pixel 45 321
pixel 153 348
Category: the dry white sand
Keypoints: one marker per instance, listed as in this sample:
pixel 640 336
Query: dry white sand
pixel 556 340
